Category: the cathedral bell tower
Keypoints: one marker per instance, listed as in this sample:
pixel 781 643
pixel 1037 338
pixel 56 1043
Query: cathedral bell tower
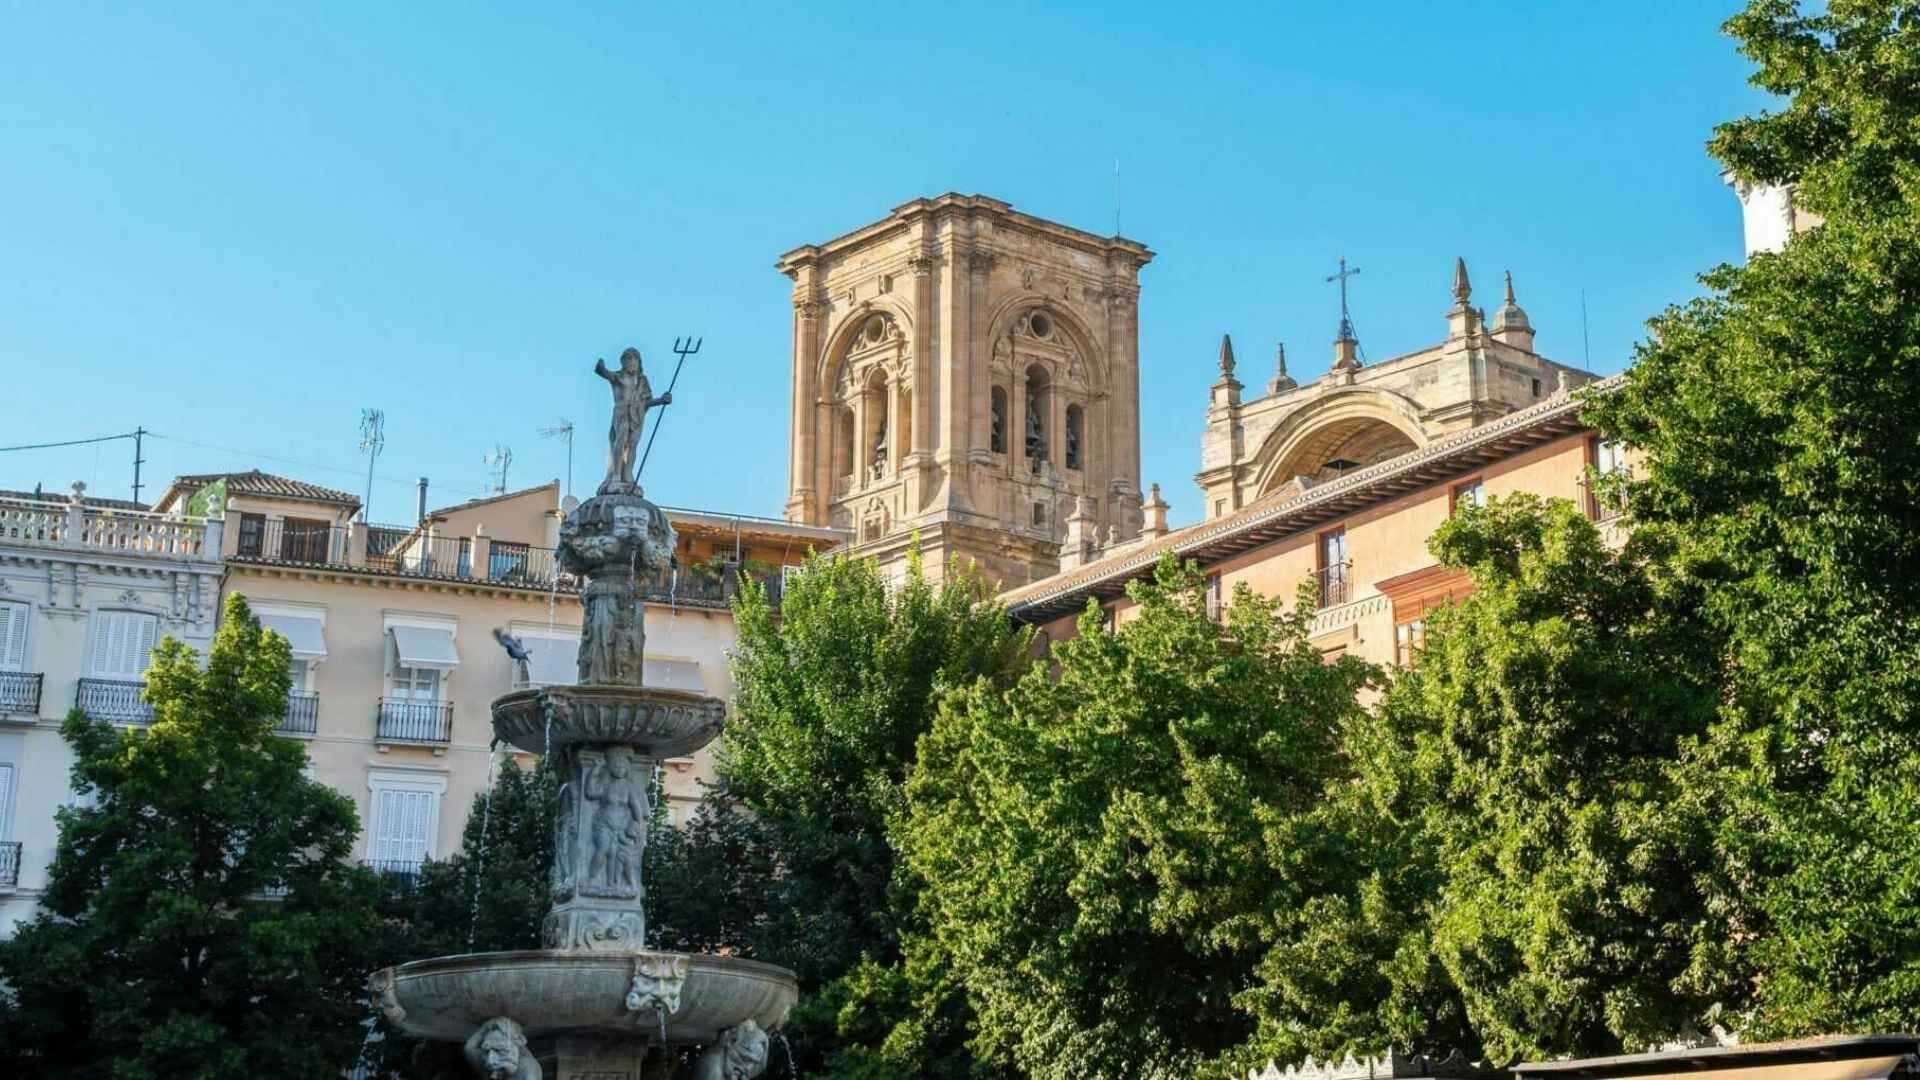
pixel 969 375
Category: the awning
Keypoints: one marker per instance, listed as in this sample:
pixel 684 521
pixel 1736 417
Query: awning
pixel 1866 1068
pixel 673 675
pixel 424 647
pixel 304 632
pixel 552 661
pixel 1830 1069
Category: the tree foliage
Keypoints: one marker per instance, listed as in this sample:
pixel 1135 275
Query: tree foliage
pixel 157 951
pixel 1095 842
pixel 1779 419
pixel 1530 861
pixel 833 690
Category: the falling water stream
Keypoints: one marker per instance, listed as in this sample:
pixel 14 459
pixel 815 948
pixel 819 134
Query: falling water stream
pixel 486 823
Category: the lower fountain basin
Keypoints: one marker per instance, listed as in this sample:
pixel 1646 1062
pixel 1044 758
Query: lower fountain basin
pixel 656 722
pixel 549 992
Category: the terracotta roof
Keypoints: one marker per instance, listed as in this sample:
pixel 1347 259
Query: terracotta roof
pixel 62 499
pixel 264 484
pixel 1289 511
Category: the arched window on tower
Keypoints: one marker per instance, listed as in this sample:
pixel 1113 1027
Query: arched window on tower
pixel 997 433
pixel 1038 402
pixel 1074 424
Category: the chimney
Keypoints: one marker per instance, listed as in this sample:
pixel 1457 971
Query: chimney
pixel 422 516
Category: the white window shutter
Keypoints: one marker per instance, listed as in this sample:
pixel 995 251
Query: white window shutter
pixel 6 797
pixel 13 636
pixel 148 630
pixel 100 656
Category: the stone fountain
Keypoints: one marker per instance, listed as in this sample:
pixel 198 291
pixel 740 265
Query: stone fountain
pixel 596 1002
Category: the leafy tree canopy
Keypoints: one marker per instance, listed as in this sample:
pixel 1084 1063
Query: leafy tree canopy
pixel 158 952
pixel 1096 842
pixel 1779 422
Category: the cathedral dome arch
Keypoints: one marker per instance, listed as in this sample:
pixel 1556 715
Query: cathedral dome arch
pixel 1347 428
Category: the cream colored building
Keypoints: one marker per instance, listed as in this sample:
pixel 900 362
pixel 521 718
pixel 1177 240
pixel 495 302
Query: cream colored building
pixel 1339 483
pixel 87 588
pixel 968 375
pixel 395 663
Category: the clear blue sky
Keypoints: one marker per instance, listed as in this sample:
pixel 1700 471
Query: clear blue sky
pixel 240 227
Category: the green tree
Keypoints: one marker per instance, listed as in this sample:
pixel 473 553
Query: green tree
pixel 1779 419
pixel 1531 867
pixel 492 894
pixel 157 952
pixel 1095 841
pixel 833 690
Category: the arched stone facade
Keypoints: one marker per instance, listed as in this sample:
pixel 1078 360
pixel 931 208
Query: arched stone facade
pixel 918 337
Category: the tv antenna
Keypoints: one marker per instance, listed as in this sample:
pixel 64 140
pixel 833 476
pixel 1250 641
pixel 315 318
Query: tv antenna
pixel 497 461
pixel 685 347
pixel 373 439
pixel 563 430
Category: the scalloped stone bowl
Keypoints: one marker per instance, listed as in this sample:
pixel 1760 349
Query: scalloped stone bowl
pixel 550 992
pixel 656 722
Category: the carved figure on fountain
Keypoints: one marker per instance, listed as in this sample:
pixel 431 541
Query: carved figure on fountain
pixel 617 800
pixel 617 542
pixel 739 1054
pixel 497 1050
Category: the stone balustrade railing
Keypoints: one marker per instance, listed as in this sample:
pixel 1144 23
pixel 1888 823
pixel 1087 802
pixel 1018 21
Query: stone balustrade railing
pixel 98 528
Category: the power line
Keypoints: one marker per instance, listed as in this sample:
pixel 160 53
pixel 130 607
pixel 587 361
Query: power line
pixel 72 442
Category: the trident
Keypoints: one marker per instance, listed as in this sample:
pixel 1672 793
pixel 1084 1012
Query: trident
pixel 685 347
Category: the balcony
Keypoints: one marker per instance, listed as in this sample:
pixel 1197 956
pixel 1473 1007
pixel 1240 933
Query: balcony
pixel 117 701
pixel 1335 583
pixel 20 693
pixel 9 863
pixel 300 543
pixel 404 872
pixel 402 720
pixel 302 716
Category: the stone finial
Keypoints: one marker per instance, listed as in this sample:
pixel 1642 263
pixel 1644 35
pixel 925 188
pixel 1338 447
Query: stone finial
pixel 79 491
pixel 1226 389
pixel 1156 511
pixel 1462 319
pixel 1226 356
pixel 1510 324
pixel 1282 382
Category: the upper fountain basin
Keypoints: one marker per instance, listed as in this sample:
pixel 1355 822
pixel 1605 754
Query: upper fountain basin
pixel 656 722
pixel 548 991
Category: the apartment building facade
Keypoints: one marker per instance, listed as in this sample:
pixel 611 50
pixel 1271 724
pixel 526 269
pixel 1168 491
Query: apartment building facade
pixel 87 588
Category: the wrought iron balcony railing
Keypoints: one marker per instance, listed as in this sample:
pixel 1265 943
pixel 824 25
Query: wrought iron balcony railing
pixel 302 716
pixel 304 543
pixel 117 701
pixel 405 871
pixel 9 863
pixel 405 720
pixel 1336 583
pixel 20 693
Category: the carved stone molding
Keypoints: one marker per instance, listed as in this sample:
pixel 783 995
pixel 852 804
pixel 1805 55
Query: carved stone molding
pixel 980 262
pixel 924 265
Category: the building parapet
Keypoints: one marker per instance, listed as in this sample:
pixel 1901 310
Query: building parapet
pixel 77 525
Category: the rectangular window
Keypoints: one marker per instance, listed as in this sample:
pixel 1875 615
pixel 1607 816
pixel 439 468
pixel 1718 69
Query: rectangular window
pixel 1335 569
pixel 463 562
pixel 416 684
pixel 253 531
pixel 1408 639
pixel 122 642
pixel 404 821
pixel 1471 493
pixel 506 562
pixel 1216 597
pixel 13 635
pixel 1608 459
pixel 303 540
pixel 297 675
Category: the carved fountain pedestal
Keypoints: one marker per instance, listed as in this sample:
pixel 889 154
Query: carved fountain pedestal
pixel 595 1002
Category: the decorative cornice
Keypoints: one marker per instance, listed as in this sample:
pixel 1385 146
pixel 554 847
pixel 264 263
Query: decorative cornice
pixel 1241 529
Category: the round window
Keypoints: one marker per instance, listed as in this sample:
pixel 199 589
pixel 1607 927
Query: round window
pixel 876 329
pixel 1040 324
